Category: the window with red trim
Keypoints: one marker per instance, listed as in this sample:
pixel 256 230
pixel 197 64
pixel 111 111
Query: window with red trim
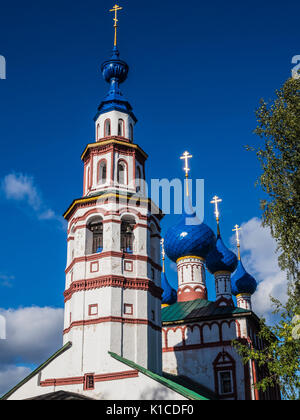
pixel 89 382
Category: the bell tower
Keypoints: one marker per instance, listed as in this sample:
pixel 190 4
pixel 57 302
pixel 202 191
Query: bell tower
pixel 113 275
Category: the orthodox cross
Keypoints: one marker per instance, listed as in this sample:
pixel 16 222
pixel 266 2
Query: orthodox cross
pixel 216 200
pixel 237 232
pixel 115 9
pixel 186 156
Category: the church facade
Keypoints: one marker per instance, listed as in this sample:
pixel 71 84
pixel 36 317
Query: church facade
pixel 127 333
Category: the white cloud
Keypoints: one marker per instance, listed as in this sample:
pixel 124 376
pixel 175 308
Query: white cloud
pixel 260 259
pixel 11 376
pixel 33 334
pixel 21 188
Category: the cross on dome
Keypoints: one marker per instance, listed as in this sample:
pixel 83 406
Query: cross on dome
pixel 115 9
pixel 237 230
pixel 186 156
pixel 216 200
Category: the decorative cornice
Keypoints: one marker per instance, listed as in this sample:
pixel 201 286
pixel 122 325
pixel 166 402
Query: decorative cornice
pixel 119 319
pixel 113 141
pixel 110 197
pixel 96 257
pixel 113 281
pixel 97 378
pixel 190 256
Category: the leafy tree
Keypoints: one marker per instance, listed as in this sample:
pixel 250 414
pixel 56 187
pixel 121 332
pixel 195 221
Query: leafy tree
pixel 279 129
pixel 278 126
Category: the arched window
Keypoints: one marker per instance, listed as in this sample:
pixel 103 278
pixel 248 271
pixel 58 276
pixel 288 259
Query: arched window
pixel 107 129
pixel 102 172
pixel 127 236
pixel 131 132
pixel 153 243
pixel 122 173
pixel 96 228
pixel 138 180
pixel 88 183
pixel 98 132
pixel 121 128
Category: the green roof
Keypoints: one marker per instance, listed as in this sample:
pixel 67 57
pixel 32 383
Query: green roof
pixel 164 380
pixel 199 308
pixel 37 370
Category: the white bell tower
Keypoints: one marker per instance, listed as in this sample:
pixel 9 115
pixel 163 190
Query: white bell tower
pixel 113 275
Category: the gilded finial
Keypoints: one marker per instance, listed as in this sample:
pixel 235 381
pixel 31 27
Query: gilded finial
pixel 216 200
pixel 237 230
pixel 115 9
pixel 163 254
pixel 186 156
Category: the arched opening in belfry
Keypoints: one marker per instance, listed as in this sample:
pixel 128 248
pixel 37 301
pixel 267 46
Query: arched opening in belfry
pixel 107 128
pixel 121 128
pixel 130 132
pixel 127 235
pixel 138 180
pixel 102 172
pixel 96 237
pixel 122 173
pixel 98 132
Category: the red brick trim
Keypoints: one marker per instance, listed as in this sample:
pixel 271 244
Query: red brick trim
pixel 113 281
pixel 95 257
pixel 224 365
pixel 128 306
pixel 191 294
pixel 115 376
pixel 90 310
pixel 201 343
pixel 112 319
pixel 128 266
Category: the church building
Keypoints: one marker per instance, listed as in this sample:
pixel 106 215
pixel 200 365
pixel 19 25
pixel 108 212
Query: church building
pixel 128 335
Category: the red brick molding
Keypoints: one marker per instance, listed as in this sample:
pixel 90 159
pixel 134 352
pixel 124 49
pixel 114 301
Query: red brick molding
pixel 188 293
pixel 96 257
pixel 97 378
pixel 112 319
pixel 200 327
pixel 113 281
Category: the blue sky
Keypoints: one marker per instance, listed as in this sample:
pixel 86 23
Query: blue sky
pixel 197 72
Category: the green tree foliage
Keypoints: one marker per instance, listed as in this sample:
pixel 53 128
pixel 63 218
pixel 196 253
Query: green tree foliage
pixel 278 126
pixel 279 129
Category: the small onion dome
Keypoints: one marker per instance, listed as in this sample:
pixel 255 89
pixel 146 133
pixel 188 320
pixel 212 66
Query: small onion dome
pixel 115 68
pixel 189 237
pixel 242 282
pixel 169 295
pixel 221 258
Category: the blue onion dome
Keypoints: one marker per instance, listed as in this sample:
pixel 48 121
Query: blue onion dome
pixel 242 282
pixel 221 258
pixel 169 295
pixel 115 72
pixel 115 68
pixel 189 237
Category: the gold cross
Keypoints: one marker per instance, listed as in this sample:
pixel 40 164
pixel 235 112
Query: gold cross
pixel 163 253
pixel 237 231
pixel 115 9
pixel 186 156
pixel 216 200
